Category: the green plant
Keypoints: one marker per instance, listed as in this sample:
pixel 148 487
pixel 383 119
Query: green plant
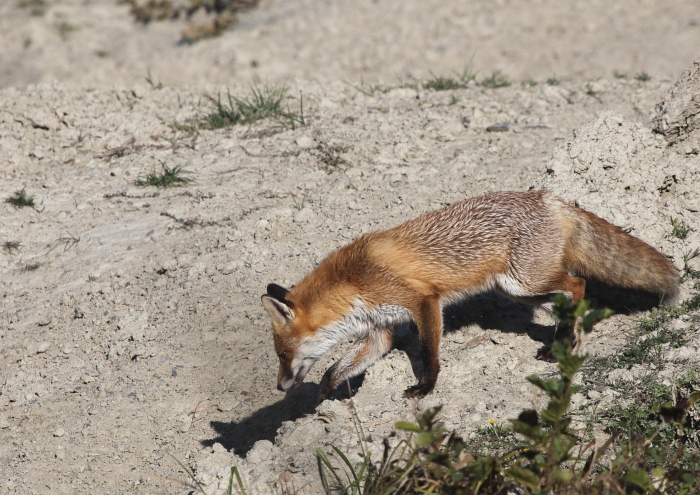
pixel 680 229
pixel 65 29
pixel 263 102
pixel 643 77
pixel 592 93
pixel 496 80
pixel 528 82
pixel 31 267
pixel 196 484
pixel 439 83
pixel 168 177
pixel 151 81
pixel 37 8
pixel 688 256
pixel 11 247
pixel 20 200
pixel 553 81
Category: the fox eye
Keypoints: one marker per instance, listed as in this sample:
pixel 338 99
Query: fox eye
pixel 282 355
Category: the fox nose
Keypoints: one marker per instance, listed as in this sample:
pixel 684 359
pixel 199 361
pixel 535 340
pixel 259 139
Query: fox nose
pixel 279 387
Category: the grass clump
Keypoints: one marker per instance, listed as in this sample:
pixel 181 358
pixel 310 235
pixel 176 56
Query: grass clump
pixel 37 8
pixel 167 177
pixel 266 102
pixel 439 83
pixel 643 77
pixel 496 80
pixel 20 199
pixel 11 247
pixel 679 228
pixel 553 81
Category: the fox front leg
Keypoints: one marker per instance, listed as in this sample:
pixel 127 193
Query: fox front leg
pixel 428 316
pixel 360 357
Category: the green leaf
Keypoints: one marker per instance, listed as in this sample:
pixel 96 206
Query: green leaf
pixel 525 477
pixel 594 317
pixel 534 433
pixel 638 477
pixel 529 416
pixel 406 426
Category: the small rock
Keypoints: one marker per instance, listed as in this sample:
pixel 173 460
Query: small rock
pixel 67 349
pixel 229 269
pixel 465 122
pixel 305 142
pixel 43 347
pixel 186 284
pixel 138 91
pixel 45 320
pixel 78 313
pixel 59 432
pixel 4 423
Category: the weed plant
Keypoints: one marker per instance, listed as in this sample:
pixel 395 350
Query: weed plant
pixel 167 177
pixel 679 228
pixel 266 102
pixel 20 200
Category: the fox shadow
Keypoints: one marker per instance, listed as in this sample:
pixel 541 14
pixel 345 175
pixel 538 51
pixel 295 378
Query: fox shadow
pixel 492 311
pixel 489 311
pixel 239 437
pixel 263 424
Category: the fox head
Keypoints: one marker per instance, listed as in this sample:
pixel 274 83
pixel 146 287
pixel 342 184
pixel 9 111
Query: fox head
pixel 288 329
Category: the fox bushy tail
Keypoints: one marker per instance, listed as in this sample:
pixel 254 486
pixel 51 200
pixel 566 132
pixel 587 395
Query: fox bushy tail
pixel 601 251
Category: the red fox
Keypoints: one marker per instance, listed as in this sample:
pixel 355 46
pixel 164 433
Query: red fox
pixel 526 245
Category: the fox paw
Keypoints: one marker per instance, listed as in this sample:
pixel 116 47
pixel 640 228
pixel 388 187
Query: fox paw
pixel 544 353
pixel 418 391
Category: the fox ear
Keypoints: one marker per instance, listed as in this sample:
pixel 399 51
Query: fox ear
pixel 277 291
pixel 279 312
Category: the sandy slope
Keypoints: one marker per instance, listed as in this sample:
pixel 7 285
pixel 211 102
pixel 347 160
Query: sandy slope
pixel 144 303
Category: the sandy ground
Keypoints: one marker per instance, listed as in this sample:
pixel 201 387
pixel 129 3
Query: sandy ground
pixel 130 324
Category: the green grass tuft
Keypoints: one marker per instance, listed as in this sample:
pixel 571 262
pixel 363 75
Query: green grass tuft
pixel 680 229
pixel 168 177
pixel 496 80
pixel 11 247
pixel 643 77
pixel 20 200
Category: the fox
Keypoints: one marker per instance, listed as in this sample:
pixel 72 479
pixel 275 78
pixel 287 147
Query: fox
pixel 527 246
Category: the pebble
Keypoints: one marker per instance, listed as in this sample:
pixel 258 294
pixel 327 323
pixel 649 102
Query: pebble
pixel 186 284
pixel 78 313
pixel 59 432
pixel 43 347
pixel 4 423
pixel 45 320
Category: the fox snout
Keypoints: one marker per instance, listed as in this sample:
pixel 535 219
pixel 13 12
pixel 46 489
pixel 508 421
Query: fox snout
pixel 285 379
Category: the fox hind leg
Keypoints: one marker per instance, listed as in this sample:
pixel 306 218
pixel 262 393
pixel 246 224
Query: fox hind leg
pixel 361 356
pixel 560 283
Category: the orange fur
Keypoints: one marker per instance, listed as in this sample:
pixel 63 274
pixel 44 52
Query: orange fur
pixel 526 245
